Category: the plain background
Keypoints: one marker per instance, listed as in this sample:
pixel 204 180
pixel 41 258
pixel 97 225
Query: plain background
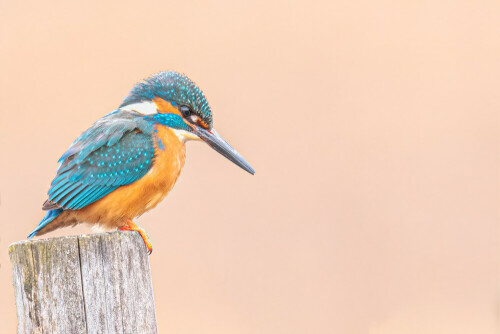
pixel 373 127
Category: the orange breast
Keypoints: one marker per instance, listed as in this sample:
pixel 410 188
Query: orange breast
pixel 134 199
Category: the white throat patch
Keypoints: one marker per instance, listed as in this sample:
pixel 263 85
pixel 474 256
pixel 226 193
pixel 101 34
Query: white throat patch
pixel 184 135
pixel 149 108
pixel 145 108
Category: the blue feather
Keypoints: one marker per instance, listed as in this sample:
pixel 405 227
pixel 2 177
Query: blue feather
pixel 49 216
pixel 108 155
pixel 61 194
pixel 62 187
pixel 76 192
pixel 74 202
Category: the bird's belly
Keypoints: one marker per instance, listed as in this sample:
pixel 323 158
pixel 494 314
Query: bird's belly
pixel 144 194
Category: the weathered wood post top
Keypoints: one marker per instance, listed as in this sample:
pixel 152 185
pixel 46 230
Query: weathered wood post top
pixel 97 283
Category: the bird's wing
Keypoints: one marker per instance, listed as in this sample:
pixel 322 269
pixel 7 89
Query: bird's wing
pixel 117 150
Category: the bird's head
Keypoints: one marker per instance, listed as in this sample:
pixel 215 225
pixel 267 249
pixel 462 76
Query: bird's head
pixel 173 100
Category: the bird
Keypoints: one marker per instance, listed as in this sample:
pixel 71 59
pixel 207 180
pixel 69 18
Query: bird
pixel 129 160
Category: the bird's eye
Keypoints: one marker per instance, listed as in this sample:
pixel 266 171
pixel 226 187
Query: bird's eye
pixel 186 111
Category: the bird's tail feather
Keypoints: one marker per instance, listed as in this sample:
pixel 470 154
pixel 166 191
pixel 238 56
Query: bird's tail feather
pixel 50 216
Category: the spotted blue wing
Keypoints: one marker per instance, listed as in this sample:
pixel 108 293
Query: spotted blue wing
pixel 117 150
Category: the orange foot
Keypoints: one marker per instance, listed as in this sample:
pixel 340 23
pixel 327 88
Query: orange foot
pixel 130 226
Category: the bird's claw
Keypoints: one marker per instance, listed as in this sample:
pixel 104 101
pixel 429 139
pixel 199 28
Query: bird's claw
pixel 131 226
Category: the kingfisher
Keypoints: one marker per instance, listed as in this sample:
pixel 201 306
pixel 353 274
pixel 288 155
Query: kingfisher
pixel 129 160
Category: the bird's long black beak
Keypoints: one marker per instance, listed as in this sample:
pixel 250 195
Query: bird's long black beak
pixel 212 138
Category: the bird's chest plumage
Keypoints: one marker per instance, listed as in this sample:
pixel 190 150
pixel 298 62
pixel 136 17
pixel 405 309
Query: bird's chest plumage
pixel 170 155
pixel 144 194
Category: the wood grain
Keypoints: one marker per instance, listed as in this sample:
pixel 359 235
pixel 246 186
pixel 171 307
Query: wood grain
pixel 98 283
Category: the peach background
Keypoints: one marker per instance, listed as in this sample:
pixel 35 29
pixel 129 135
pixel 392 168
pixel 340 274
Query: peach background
pixel 373 127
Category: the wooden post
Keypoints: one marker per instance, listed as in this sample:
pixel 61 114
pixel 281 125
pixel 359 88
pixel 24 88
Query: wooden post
pixel 97 283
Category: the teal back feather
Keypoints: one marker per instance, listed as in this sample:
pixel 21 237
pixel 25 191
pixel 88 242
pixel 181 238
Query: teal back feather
pixel 117 150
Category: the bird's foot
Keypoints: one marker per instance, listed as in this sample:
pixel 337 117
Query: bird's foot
pixel 131 226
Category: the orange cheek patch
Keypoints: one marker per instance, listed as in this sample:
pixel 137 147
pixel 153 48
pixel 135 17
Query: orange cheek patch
pixel 202 124
pixel 165 107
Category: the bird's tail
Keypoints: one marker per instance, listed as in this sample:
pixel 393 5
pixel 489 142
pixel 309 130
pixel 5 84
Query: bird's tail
pixel 50 216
